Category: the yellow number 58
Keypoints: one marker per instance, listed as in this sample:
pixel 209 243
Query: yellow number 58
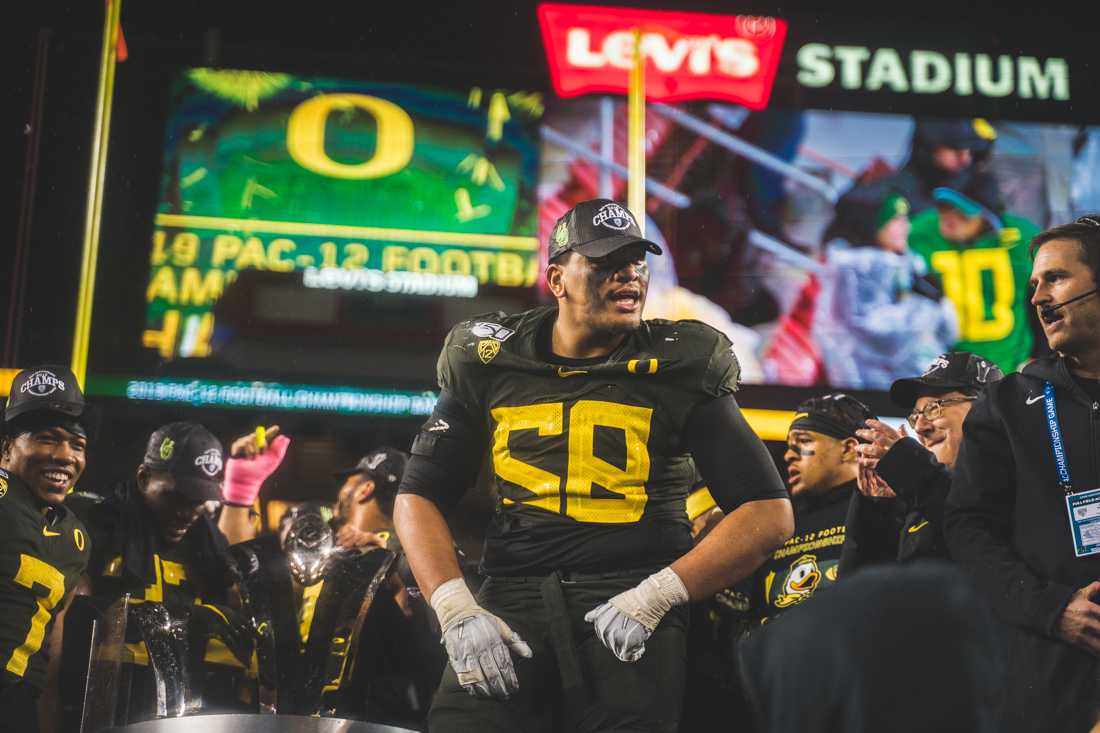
pixel 627 498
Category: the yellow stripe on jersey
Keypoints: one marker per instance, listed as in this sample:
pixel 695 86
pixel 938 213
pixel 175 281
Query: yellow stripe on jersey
pixel 642 366
pixel 699 502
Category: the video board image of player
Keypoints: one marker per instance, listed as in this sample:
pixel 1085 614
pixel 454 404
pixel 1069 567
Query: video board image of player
pixel 844 248
pixel 359 187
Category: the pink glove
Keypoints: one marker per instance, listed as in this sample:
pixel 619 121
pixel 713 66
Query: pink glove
pixel 244 476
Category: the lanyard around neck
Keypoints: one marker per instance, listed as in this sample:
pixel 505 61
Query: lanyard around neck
pixel 1054 429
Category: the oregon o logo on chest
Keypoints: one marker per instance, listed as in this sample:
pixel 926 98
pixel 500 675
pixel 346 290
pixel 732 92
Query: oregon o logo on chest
pixel 78 538
pixel 42 384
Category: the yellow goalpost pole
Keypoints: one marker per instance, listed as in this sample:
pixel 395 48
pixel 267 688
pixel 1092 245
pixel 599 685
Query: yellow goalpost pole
pixel 635 104
pixel 94 204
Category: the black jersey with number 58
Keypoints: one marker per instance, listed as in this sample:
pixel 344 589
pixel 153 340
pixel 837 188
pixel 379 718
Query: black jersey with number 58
pixel 587 458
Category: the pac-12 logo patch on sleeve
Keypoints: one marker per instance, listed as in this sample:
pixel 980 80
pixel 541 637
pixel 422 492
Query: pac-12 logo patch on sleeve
pixel 487 349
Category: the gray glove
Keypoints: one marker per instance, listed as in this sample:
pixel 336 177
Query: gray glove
pixel 478 648
pixel 624 636
pixel 477 642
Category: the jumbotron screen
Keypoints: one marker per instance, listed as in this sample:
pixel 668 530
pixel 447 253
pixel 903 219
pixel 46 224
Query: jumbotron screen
pixel 837 249
pixel 316 238
pixel 317 232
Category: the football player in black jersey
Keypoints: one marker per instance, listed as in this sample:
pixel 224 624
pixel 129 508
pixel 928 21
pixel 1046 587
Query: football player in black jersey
pixel 44 548
pixel 591 416
pixel 822 465
pixel 155 540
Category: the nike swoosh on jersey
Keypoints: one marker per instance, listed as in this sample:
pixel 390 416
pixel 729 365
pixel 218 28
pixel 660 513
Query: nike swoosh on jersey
pixel 917 527
pixel 47 533
pixel 1033 399
pixel 439 426
pixel 563 372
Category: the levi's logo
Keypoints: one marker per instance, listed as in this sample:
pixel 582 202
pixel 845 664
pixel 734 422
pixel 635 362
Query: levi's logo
pixel 689 55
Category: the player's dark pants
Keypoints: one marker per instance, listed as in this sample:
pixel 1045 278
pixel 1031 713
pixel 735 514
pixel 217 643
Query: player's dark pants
pixel 582 686
pixel 18 708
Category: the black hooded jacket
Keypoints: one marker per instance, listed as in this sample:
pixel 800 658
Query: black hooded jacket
pixel 1007 523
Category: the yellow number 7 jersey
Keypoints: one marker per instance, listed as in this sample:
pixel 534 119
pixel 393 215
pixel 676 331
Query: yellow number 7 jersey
pixel 587 459
pixel 41 560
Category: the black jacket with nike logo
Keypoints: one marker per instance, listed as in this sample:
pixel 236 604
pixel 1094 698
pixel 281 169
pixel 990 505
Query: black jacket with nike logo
pixel 1006 522
pixel 902 529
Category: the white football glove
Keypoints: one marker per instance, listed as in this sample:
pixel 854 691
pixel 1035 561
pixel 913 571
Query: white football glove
pixel 477 642
pixel 625 622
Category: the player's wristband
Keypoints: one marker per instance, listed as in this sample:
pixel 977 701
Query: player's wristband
pixel 245 476
pixel 650 600
pixel 452 602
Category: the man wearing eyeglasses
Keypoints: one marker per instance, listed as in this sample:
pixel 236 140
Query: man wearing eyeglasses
pixel 1023 513
pixel 898 512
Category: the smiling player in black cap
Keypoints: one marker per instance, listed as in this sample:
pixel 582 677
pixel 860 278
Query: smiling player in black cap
pixel 44 548
pixel 152 536
pixel 591 416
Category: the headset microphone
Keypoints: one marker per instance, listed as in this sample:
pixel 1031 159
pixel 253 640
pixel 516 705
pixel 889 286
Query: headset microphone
pixel 1049 313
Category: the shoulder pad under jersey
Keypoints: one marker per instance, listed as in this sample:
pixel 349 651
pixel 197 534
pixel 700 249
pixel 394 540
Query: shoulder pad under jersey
pixel 479 342
pixel 701 351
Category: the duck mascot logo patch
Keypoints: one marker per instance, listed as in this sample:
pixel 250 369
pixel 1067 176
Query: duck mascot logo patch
pixel 802 579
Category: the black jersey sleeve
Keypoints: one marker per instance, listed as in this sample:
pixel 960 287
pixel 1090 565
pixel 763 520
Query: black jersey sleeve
pixel 446 454
pixel 730 457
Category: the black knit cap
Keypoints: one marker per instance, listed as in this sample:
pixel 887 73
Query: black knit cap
pixel 837 415
pixel 862 211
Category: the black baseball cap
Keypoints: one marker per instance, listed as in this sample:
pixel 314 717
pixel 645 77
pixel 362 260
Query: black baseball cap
pixel 192 455
pixel 48 388
pixel 976 134
pixel 950 371
pixel 384 465
pixel 596 228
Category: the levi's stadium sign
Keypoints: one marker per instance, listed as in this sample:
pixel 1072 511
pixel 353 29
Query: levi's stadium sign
pixel 688 55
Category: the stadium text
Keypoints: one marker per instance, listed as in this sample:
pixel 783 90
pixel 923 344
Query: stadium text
pixel 929 72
